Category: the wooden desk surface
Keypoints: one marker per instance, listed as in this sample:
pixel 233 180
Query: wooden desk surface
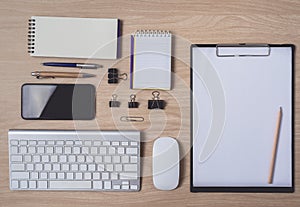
pixel 206 21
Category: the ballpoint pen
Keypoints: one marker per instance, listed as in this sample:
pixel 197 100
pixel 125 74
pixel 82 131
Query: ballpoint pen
pixel 73 65
pixel 42 74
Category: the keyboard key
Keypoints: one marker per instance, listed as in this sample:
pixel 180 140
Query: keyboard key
pixel 38 167
pixel 17 167
pixel 50 150
pixel 116 187
pixel 53 158
pixel 114 176
pixel 100 167
pixel 23 149
pixel 133 143
pixel 36 158
pixel 107 159
pixel 27 158
pixel 52 175
pixel 85 150
pixel 94 150
pixel 80 158
pixel 31 150
pixel 45 158
pixel 72 158
pixel 97 184
pixel 102 150
pixel 74 167
pixel 50 142
pixel 69 142
pixel 56 167
pixel 91 167
pixel 125 159
pixel 98 159
pixel 32 184
pixel 87 176
pixel 116 159
pixel 41 150
pixel 70 176
pixel 78 142
pixel 43 175
pixel 74 184
pixel 128 176
pixel 42 184
pixel 59 142
pixel 96 176
pixel 23 142
pixel 131 151
pixel 14 142
pixel 115 143
pixel 65 167
pixel 62 158
pixel 118 168
pixel 121 150
pixel 68 150
pixel 105 176
pixel 14 150
pixel 34 175
pixel 133 159
pixel 124 143
pixel 88 143
pixel 97 143
pixel 23 184
pixel 58 150
pixel 83 167
pixel 19 175
pixel 30 167
pixel 16 158
pixel 41 142
pixel 125 187
pixel 32 142
pixel 107 184
pixel 76 150
pixel 109 167
pixel 47 167
pixel 130 167
pixel 111 150
pixel 106 143
pixel 60 175
pixel 133 187
pixel 14 184
pixel 78 176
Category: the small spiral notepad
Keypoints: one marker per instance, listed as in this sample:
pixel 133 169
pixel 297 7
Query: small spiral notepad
pixel 151 59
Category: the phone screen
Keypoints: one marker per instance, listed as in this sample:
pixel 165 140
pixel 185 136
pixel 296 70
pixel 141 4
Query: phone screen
pixel 58 101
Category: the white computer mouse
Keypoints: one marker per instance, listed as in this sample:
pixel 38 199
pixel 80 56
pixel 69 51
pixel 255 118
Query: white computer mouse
pixel 166 163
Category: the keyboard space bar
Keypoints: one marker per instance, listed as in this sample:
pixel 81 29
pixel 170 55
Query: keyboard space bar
pixel 70 185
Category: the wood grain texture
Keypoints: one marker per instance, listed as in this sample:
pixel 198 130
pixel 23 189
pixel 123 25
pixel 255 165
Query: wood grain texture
pixel 191 21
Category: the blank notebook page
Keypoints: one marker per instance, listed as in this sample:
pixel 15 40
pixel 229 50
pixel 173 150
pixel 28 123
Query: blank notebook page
pixel 74 37
pixel 152 61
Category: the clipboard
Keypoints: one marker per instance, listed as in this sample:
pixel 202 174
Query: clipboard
pixel 236 93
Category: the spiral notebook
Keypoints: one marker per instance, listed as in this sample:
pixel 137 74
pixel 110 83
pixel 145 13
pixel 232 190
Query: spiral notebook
pixel 73 37
pixel 151 60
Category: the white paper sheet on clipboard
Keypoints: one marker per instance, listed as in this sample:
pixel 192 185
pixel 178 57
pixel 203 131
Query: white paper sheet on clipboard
pixel 237 92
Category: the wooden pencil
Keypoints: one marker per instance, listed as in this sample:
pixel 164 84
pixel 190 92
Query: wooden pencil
pixel 275 146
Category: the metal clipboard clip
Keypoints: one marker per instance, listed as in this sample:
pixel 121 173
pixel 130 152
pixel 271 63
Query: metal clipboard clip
pixel 243 50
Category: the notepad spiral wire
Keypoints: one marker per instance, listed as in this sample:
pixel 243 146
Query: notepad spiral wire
pixel 31 35
pixel 152 33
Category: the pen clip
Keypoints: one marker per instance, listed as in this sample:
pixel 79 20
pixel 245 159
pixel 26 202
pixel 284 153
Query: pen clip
pixel 44 77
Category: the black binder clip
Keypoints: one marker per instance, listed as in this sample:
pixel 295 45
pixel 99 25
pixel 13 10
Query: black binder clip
pixel 114 76
pixel 133 103
pixel 155 103
pixel 114 102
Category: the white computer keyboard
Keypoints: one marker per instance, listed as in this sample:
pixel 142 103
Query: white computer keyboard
pixel 74 160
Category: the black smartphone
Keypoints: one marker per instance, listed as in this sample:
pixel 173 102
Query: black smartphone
pixel 58 101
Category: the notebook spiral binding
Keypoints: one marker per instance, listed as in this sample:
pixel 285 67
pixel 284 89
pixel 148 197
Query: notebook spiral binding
pixel 31 35
pixel 152 33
